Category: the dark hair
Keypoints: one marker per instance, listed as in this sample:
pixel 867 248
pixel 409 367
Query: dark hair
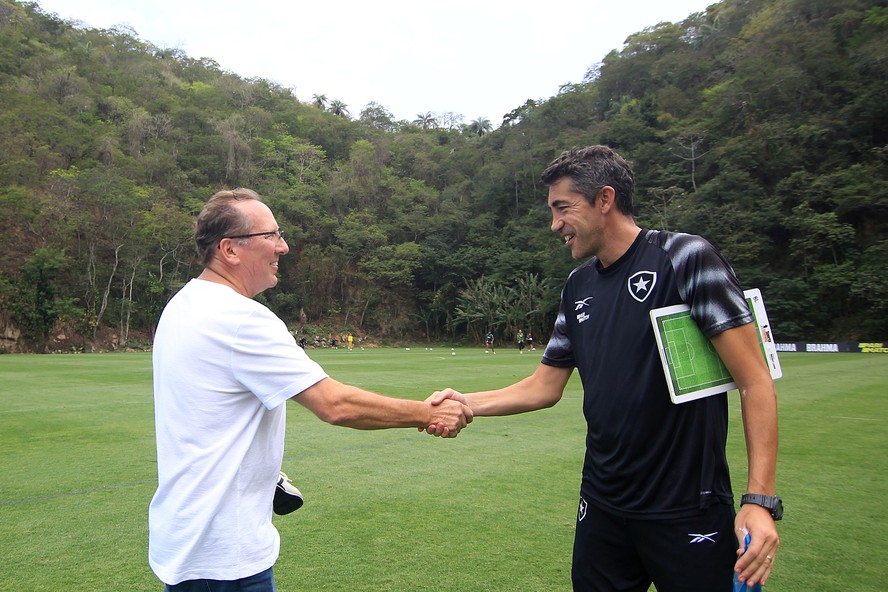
pixel 218 219
pixel 590 169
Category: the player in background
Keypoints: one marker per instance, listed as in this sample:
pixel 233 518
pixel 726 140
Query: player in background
pixel 224 367
pixel 489 340
pixel 520 339
pixel 656 503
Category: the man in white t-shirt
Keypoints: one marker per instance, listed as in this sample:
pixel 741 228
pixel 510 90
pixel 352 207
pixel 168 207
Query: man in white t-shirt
pixel 224 365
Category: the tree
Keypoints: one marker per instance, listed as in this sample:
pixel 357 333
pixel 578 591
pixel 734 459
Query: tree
pixel 480 126
pixel 39 304
pixel 690 143
pixel 479 306
pixel 378 116
pixel 426 120
pixel 109 146
pixel 869 289
pixel 337 107
pixel 237 149
pixel 450 120
pixel 320 101
pixel 819 238
pixel 531 300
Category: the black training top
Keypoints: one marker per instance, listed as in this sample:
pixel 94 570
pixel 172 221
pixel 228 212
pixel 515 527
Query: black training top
pixel 645 456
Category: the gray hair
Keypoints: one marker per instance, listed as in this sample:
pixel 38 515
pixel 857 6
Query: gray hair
pixel 590 169
pixel 218 219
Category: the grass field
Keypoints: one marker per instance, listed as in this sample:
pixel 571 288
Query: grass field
pixel 492 510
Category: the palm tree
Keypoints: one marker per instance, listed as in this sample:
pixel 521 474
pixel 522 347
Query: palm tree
pixel 480 126
pixel 425 120
pixel 480 305
pixel 320 101
pixel 337 107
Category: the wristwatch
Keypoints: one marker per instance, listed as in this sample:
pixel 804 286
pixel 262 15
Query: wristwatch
pixel 771 503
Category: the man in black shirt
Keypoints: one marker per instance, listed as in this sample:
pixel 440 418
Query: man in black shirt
pixel 656 504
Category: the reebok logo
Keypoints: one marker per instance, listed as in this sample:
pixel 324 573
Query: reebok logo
pixel 696 539
pixel 582 303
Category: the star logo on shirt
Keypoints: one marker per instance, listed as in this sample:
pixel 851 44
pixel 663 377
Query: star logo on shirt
pixel 641 284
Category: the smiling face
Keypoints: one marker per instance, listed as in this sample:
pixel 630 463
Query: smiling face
pixel 579 222
pixel 258 255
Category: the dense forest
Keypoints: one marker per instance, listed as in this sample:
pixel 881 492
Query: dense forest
pixel 759 124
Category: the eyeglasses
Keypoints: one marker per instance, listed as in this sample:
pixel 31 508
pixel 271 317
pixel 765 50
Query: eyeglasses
pixel 277 234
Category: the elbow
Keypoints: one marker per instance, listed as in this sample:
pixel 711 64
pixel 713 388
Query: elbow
pixel 550 402
pixel 334 415
pixel 337 413
pixel 329 401
pixel 547 397
pixel 762 387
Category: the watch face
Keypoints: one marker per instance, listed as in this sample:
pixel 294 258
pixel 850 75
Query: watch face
pixel 777 512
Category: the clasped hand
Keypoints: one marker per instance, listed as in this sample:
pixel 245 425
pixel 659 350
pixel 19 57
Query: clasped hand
pixel 444 403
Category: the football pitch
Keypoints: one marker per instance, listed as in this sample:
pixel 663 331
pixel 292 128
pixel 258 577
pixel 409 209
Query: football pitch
pixel 686 348
pixel 391 510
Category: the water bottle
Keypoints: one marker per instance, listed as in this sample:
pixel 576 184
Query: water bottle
pixel 741 586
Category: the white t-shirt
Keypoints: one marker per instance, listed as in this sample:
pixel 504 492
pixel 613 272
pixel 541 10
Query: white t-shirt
pixel 223 367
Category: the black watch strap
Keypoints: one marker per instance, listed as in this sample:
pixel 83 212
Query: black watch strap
pixel 772 503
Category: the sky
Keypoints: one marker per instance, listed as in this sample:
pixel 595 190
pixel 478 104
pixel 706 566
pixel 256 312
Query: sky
pixel 475 58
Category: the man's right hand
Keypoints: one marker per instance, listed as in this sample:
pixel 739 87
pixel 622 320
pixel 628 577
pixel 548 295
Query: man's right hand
pixel 448 398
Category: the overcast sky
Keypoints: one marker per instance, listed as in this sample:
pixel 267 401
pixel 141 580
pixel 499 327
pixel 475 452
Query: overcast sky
pixel 480 58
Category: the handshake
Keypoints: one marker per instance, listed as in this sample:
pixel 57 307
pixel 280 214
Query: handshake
pixel 449 412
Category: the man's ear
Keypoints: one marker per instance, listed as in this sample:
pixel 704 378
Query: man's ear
pixel 229 252
pixel 606 198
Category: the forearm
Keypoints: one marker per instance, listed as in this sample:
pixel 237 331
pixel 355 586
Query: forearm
pixel 364 410
pixel 758 402
pixel 759 408
pixel 346 405
pixel 540 390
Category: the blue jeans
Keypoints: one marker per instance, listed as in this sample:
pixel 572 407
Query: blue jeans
pixel 261 582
